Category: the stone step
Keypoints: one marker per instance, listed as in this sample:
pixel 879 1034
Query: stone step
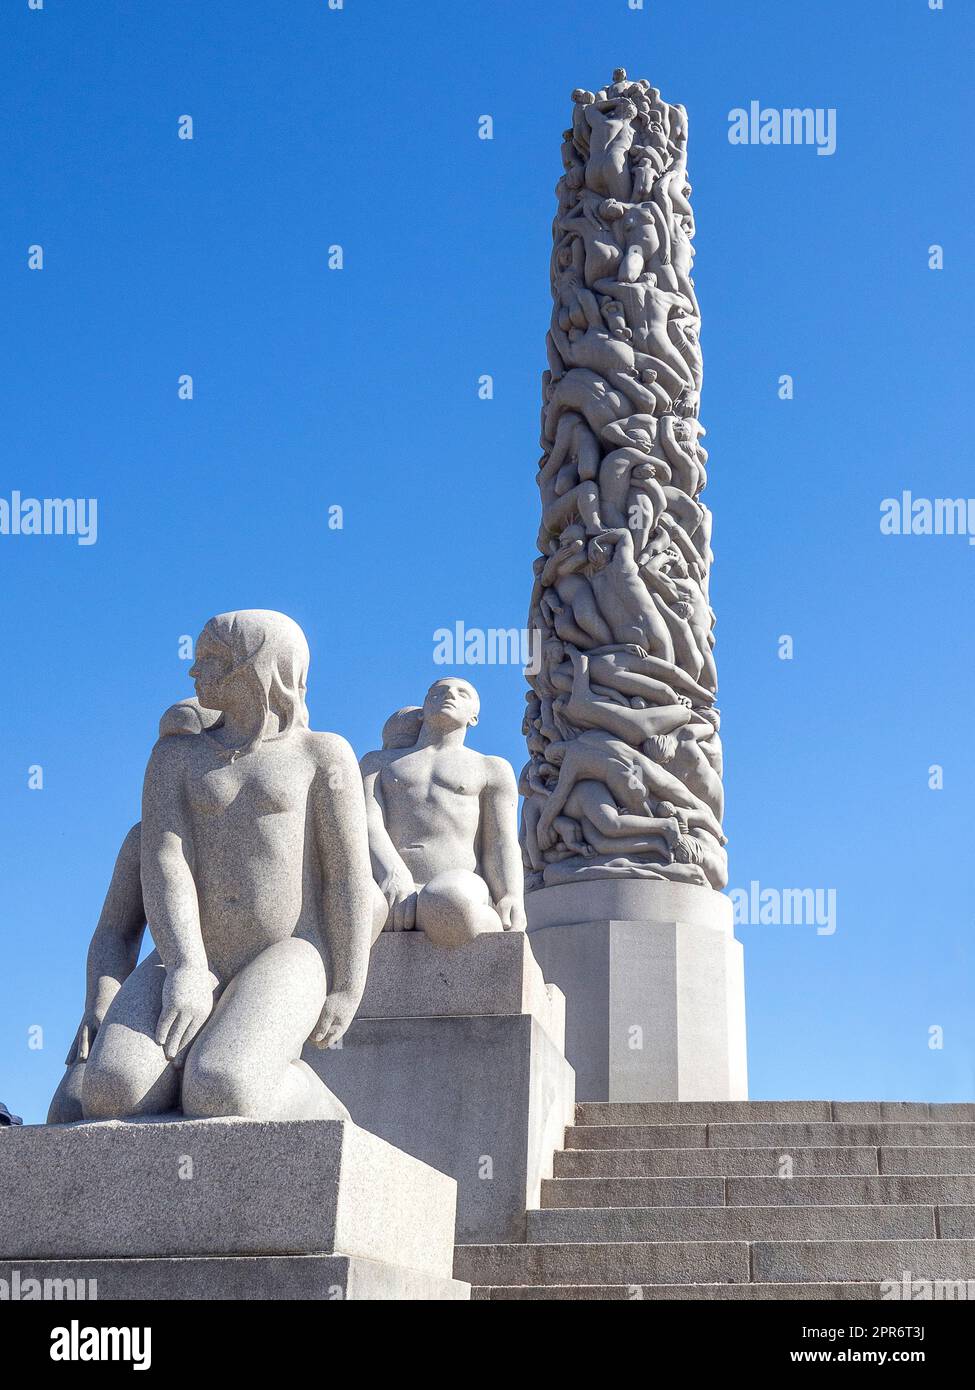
pixel 631 1293
pixel 663 1262
pixel 758 1191
pixel 700 1162
pixel 714 1262
pixel 599 1112
pixel 676 1112
pixel 825 1261
pixel 558 1193
pixel 918 1159
pixel 769 1134
pixel 622 1224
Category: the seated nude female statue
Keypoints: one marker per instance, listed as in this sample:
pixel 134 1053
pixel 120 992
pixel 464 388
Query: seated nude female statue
pixel 254 873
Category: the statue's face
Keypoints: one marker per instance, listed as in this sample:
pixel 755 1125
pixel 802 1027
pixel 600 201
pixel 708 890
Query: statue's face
pixel 451 703
pixel 210 670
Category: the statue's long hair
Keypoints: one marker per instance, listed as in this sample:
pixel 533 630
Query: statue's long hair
pixel 269 654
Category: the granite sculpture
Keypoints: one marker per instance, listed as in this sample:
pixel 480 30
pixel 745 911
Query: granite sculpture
pixel 624 775
pixel 254 879
pixel 443 823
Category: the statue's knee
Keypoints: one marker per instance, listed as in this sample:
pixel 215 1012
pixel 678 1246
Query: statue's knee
pixel 214 1087
pixel 110 1092
pixel 450 906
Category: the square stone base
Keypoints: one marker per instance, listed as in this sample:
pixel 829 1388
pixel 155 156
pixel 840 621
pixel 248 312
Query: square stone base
pixel 457 1058
pixel 655 1002
pixel 157 1201
pixel 235 1278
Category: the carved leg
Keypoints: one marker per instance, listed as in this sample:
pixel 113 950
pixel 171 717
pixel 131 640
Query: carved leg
pixel 127 1072
pixel 455 907
pixel 246 1060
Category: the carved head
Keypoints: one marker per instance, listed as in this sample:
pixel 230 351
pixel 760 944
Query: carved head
pixel 402 728
pixel 186 717
pixel 255 663
pixel 451 703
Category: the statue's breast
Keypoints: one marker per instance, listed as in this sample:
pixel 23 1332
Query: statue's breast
pixel 252 791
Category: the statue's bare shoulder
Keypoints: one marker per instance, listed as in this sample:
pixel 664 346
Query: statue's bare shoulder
pixel 329 750
pixel 499 775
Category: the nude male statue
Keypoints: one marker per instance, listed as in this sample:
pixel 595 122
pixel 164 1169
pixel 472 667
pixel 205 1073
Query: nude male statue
pixel 257 889
pixel 442 827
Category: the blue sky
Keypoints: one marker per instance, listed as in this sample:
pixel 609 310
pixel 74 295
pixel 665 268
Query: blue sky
pixel 358 388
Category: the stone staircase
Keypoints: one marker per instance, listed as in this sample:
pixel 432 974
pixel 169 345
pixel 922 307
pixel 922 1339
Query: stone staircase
pixel 745 1200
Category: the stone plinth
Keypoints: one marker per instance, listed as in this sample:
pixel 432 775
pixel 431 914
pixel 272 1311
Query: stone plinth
pixel 457 1057
pixel 654 985
pixel 152 1208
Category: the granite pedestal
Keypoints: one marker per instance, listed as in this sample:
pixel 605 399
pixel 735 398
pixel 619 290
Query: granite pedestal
pixel 457 1056
pixel 654 985
pixel 222 1209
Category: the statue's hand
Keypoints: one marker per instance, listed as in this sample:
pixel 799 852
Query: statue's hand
pixel 83 1039
pixel 400 892
pixel 187 1002
pixel 338 1013
pixel 511 910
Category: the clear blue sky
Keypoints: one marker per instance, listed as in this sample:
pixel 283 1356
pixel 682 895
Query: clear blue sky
pixel 358 388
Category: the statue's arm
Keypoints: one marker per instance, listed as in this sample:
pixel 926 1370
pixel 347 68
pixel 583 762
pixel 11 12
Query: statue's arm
pixel 501 863
pixel 114 950
pixel 342 838
pixel 386 861
pixel 171 903
pixel 168 886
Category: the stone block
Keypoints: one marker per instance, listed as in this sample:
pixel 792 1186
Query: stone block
pixel 456 1057
pixel 204 1188
pixel 654 985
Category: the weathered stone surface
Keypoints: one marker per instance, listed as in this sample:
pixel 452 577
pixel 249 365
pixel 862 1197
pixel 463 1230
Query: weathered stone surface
pixel 483 1098
pixel 700 1112
pixel 762 1135
pixel 682 1293
pixel 683 1136
pixel 655 1006
pixel 734 1223
pixel 677 1162
pixel 862 1260
pixel 633 1192
pixel 757 1191
pixel 957 1222
pixel 257 1278
pixel 628 900
pixel 802 1191
pixel 946 1158
pixel 664 1262
pixel 409 977
pixel 787 1137
pixel 221 1187
pixel 814 1223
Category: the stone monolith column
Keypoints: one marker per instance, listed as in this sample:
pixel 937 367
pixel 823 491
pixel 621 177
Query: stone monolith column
pixel 621 827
